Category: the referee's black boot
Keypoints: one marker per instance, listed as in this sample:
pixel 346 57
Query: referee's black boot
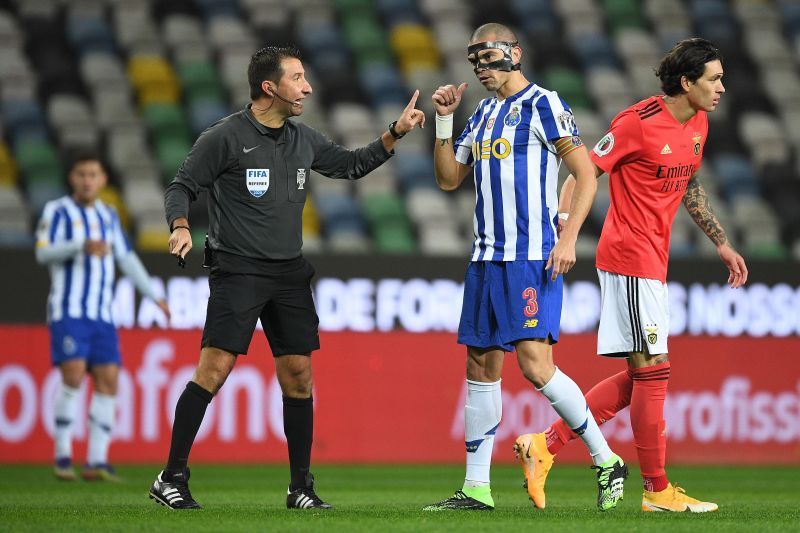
pixel 173 491
pixel 305 497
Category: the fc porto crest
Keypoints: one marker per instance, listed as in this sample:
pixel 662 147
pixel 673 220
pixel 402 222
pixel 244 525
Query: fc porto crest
pixel 69 345
pixel 301 178
pixel 257 181
pixel 513 117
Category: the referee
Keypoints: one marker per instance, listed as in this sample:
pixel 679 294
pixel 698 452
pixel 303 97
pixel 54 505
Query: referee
pixel 254 165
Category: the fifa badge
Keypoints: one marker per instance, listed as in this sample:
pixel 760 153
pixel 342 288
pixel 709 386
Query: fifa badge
pixel 301 178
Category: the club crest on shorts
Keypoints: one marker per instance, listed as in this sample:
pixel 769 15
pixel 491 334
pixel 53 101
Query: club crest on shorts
pixel 652 333
pixel 513 117
pixel 301 178
pixel 69 346
pixel 257 181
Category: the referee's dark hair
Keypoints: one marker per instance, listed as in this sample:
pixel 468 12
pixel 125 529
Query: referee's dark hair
pixel 266 65
pixel 687 58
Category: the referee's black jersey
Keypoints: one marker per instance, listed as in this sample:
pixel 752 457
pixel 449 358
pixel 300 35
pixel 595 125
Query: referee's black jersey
pixel 257 183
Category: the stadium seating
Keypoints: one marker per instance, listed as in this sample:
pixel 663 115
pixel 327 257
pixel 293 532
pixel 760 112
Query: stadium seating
pixel 141 79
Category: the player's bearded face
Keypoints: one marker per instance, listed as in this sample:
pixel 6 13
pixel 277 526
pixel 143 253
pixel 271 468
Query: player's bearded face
pixel 707 90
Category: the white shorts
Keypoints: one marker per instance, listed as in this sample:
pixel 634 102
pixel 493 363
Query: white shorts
pixel 634 315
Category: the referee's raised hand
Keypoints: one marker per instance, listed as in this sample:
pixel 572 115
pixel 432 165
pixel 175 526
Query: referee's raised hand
pixel 410 117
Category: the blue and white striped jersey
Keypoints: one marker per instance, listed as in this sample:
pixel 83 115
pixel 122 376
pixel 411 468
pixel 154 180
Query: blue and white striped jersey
pixel 510 144
pixel 81 284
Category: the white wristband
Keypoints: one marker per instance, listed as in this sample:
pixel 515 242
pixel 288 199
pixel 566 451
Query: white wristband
pixel 563 216
pixel 444 126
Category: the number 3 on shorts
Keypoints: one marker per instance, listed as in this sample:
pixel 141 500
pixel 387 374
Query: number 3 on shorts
pixel 532 306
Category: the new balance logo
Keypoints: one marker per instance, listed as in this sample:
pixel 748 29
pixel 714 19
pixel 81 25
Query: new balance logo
pixel 666 150
pixel 532 323
pixel 248 150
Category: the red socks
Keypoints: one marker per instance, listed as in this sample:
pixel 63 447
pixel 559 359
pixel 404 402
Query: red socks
pixel 605 400
pixel 644 389
pixel 647 422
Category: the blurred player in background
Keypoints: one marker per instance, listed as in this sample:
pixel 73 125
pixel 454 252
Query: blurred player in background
pixel 515 143
pixel 79 237
pixel 254 164
pixel 652 153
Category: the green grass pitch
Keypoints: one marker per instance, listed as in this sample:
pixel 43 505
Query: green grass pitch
pixel 389 498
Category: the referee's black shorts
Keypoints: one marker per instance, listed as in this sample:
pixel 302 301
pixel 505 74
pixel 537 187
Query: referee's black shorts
pixel 281 299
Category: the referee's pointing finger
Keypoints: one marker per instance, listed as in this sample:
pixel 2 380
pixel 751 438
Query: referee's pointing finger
pixel 413 101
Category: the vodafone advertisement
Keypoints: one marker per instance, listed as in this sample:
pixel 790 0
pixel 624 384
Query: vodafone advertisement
pixel 397 396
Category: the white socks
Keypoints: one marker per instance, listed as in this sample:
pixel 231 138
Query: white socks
pixel 101 423
pixel 482 413
pixel 568 401
pixel 64 410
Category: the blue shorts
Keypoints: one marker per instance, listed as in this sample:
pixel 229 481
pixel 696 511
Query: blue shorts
pixel 508 301
pixel 94 341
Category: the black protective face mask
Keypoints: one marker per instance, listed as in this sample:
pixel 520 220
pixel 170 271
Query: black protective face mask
pixel 506 64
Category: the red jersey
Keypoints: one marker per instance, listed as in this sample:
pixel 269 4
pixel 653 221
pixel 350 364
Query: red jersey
pixel 650 158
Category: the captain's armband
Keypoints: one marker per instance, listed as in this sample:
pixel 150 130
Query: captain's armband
pixel 565 145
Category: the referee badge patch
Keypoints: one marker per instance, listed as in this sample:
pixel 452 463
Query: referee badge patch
pixel 257 181
pixel 604 145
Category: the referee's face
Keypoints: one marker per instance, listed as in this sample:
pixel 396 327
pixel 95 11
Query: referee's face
pixel 87 179
pixel 293 87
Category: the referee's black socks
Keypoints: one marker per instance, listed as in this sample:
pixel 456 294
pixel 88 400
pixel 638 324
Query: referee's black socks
pixel 298 425
pixel 189 413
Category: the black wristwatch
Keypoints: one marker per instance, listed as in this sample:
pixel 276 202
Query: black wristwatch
pixel 393 132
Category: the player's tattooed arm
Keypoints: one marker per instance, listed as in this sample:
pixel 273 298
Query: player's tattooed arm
pixel 697 203
pixel 442 142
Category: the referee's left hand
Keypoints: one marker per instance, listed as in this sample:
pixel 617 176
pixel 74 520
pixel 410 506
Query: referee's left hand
pixel 411 117
pixel 180 242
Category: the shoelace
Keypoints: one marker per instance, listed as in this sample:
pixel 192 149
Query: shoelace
pixel 603 474
pixel 311 495
pixel 183 489
pixel 677 492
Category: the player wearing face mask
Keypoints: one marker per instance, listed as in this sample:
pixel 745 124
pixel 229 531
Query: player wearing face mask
pixel 514 143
